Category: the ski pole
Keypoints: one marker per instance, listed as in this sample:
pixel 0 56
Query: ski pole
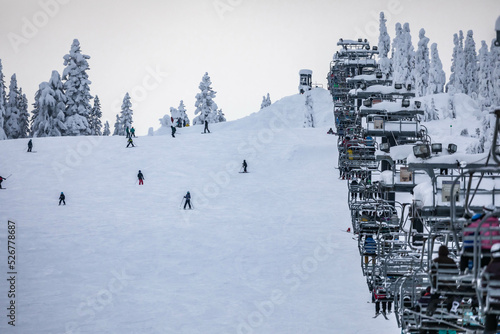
pixel 182 201
pixel 241 169
pixel 8 176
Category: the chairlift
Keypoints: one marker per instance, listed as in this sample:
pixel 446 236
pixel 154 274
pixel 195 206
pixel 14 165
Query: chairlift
pixel 422 151
pixel 437 148
pixel 405 103
pixel 398 86
pixel 452 148
pixel 418 104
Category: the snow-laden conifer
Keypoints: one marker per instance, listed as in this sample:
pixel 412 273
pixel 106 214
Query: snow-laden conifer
pixel 126 114
pixel 206 108
pixel 422 64
pixel 77 90
pixel 106 131
pixel 3 102
pixel 471 75
pixel 12 112
pixel 437 77
pixel 384 46
pixel 95 118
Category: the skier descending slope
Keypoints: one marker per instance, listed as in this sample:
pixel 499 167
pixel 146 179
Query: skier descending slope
pixel 140 176
pixel 188 200
pixel 244 165
pixel 62 199
pixel 130 142
pixel 206 127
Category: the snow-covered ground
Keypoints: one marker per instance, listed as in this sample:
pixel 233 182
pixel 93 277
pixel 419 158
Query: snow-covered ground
pixel 263 252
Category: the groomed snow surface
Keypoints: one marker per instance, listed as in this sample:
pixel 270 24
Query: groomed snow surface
pixel 263 252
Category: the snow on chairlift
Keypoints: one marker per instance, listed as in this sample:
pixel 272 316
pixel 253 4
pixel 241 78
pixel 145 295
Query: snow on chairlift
pixel 452 148
pixel 422 151
pixel 385 147
pixel 437 148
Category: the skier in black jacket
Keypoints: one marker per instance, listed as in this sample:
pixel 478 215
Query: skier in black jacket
pixel 30 145
pixel 62 198
pixel 244 166
pixel 1 179
pixel 188 200
pixel 140 176
pixel 206 127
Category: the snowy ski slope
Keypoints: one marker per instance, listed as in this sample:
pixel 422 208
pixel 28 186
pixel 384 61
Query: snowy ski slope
pixel 263 252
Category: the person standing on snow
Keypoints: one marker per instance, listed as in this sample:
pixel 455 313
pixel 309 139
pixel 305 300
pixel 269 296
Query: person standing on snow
pixel 1 179
pixel 130 142
pixel 62 199
pixel 30 145
pixel 206 127
pixel 173 130
pixel 140 176
pixel 127 132
pixel 132 132
pixel 188 200
pixel 244 166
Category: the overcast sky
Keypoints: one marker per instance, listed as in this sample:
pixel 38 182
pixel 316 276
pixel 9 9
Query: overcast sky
pixel 158 50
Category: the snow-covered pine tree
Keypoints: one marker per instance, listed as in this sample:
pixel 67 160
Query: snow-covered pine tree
pixel 37 120
pixel 3 102
pixel 484 77
pixel 495 75
pixel 126 114
pixel 404 56
pixel 422 64
pixel 119 130
pixel 384 46
pixel 50 105
pixel 206 108
pixel 437 77
pixel 12 113
pixel 176 115
pixel 457 77
pixel 182 112
pixel 95 118
pixel 308 113
pixel 220 116
pixel 77 90
pixel 266 101
pixel 56 106
pixel 106 131
pixel 24 122
pixel 471 80
pixel 431 112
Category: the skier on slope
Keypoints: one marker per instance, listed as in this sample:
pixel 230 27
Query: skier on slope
pixel 140 176
pixel 62 199
pixel 173 130
pixel 206 127
pixel 127 132
pixel 1 179
pixel 30 145
pixel 132 132
pixel 244 165
pixel 188 200
pixel 130 142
